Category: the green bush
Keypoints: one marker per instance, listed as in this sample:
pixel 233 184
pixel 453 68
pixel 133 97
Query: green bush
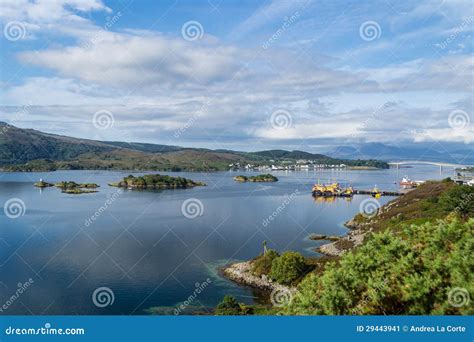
pixel 263 263
pixel 459 199
pixel 229 307
pixel 415 273
pixel 287 267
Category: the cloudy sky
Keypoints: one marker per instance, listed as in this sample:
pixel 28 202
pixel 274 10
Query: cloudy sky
pixel 239 74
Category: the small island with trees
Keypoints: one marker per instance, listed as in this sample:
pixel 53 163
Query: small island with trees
pixel 69 187
pixel 255 179
pixel 156 182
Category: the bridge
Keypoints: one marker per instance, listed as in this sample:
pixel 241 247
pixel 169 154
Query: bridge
pixel 420 162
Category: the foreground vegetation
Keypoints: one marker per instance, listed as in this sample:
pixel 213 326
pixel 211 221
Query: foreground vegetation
pixel 412 273
pixel 418 258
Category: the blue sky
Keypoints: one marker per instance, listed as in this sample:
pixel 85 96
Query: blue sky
pixel 246 75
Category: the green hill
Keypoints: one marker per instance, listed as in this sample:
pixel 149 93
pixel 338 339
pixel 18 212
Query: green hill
pixel 32 150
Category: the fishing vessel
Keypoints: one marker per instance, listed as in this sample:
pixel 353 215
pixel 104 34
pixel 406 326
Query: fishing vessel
pixel 331 190
pixel 408 182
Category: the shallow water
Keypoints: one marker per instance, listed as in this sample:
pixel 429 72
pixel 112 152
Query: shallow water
pixel 146 251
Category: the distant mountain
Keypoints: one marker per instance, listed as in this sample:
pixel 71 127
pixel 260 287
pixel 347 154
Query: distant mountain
pixel 151 148
pixel 447 152
pixel 31 150
pixel 282 154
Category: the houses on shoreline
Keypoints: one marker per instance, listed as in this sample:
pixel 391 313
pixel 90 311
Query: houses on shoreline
pixel 285 166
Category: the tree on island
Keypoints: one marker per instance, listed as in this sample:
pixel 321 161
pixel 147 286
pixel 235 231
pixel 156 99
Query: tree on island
pixel 288 267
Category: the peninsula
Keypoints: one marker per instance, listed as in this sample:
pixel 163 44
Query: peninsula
pixel 19 152
pixel 371 270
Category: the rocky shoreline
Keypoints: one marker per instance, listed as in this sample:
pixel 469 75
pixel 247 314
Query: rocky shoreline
pixel 337 248
pixel 241 273
pixel 351 240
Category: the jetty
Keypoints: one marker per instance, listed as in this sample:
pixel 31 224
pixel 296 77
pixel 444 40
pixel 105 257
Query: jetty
pixel 380 192
pixel 335 190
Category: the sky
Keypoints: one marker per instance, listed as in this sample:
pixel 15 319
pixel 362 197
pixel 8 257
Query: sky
pixel 242 75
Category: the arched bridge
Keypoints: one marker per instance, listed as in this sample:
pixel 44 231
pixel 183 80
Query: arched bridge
pixel 419 162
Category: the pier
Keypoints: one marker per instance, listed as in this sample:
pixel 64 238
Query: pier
pixel 381 193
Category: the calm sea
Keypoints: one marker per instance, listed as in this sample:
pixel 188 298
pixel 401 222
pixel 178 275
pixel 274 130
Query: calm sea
pixel 124 253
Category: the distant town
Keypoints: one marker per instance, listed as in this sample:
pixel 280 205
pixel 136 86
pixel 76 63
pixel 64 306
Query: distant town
pixel 301 164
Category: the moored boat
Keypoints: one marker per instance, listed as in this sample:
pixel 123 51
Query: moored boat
pixel 331 190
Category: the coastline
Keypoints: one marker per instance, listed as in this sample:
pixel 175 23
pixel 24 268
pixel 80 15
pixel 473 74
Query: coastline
pixel 240 272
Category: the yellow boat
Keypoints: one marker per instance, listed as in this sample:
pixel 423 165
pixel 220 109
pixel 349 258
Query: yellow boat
pixel 331 190
pixel 376 192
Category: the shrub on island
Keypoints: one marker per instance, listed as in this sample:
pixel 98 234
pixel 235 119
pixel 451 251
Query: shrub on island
pixel 287 267
pixel 263 264
pixel 230 307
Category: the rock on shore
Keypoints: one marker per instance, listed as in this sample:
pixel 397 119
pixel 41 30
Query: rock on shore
pixel 241 273
pixel 352 240
pixel 339 247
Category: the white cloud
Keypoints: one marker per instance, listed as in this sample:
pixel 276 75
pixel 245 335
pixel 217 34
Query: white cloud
pixel 154 82
pixel 61 16
pixel 128 60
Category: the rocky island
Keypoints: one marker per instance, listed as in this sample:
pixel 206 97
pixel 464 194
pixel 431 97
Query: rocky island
pixel 43 184
pixel 156 182
pixel 260 178
pixel 69 187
